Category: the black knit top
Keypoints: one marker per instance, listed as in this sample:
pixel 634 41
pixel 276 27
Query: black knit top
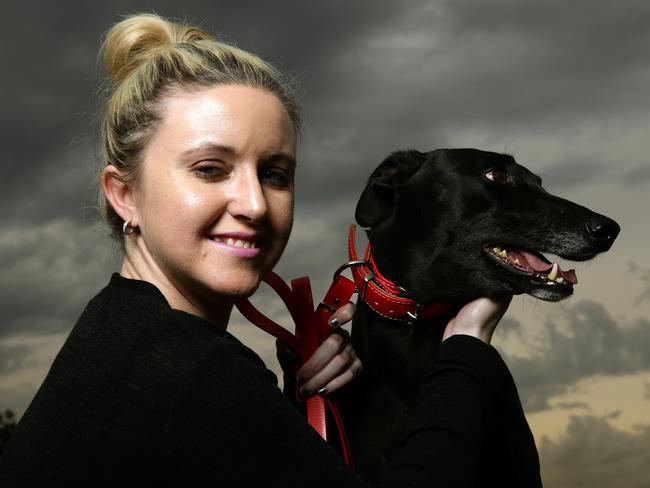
pixel 144 395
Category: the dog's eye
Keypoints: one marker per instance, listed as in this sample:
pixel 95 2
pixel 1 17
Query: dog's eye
pixel 497 175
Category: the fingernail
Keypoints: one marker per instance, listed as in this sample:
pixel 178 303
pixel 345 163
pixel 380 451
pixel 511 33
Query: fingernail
pixel 304 392
pixel 333 322
pixel 322 391
pixel 300 380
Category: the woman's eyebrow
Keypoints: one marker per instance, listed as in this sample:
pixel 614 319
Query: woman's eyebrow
pixel 279 156
pixel 213 146
pixel 208 146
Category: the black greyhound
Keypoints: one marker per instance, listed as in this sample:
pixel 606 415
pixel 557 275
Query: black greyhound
pixel 451 225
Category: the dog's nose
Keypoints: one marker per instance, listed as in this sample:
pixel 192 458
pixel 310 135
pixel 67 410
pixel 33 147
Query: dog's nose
pixel 603 229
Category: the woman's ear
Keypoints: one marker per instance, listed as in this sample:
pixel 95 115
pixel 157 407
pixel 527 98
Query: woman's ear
pixel 119 194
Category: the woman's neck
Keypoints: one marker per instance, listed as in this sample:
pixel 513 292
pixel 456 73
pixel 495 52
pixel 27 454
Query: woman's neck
pixel 214 309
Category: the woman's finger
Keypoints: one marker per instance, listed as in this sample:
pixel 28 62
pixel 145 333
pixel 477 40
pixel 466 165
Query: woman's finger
pixel 342 315
pixel 330 347
pixel 343 379
pixel 324 380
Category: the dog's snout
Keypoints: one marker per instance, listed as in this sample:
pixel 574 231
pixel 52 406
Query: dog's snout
pixel 603 229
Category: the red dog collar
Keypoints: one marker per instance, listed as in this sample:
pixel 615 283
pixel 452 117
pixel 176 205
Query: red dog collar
pixel 384 296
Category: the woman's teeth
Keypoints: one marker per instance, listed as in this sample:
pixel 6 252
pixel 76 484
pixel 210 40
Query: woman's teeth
pixel 236 242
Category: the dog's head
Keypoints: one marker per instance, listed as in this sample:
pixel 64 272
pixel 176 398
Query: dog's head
pixel 455 224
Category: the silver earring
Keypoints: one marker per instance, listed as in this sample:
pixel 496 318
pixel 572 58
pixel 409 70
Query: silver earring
pixel 127 228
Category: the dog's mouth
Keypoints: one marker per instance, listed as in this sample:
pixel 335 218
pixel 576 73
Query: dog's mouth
pixel 535 266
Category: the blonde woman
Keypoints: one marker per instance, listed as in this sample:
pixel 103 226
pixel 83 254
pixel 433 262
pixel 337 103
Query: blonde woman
pixel 199 141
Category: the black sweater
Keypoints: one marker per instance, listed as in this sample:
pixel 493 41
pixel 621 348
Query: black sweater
pixel 144 395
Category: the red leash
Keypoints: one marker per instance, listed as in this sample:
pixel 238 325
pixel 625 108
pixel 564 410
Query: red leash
pixel 311 329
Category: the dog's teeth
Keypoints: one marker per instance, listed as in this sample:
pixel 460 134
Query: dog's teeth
pixel 503 254
pixel 553 274
pixel 559 279
pixel 516 260
pixel 496 250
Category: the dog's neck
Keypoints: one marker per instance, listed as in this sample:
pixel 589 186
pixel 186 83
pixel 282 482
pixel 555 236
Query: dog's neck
pixel 394 353
pixel 396 263
pixel 382 295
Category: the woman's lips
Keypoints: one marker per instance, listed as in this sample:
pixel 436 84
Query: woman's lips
pixel 238 243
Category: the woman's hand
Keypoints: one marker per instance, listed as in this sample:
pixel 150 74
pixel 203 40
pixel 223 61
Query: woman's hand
pixel 478 318
pixel 334 363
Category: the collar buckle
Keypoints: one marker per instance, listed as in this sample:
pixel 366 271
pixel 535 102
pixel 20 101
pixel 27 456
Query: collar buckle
pixel 414 315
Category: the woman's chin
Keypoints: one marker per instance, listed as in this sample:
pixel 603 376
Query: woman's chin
pixel 242 293
pixel 237 289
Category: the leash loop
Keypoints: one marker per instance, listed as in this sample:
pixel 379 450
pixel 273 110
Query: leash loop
pixel 311 329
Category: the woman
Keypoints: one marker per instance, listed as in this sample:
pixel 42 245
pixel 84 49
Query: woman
pixel 199 144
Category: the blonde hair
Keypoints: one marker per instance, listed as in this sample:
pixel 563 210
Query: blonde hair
pixel 146 57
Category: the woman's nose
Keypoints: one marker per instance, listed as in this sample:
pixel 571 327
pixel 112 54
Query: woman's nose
pixel 247 200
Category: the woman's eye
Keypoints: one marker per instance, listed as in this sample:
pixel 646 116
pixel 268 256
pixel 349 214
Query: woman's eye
pixel 276 178
pixel 498 176
pixel 210 171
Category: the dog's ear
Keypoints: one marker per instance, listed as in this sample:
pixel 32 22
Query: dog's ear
pixel 376 202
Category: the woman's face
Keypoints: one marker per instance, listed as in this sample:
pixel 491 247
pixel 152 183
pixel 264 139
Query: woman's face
pixel 215 193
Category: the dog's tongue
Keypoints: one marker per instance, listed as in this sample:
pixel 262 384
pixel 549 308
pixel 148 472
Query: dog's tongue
pixel 532 261
pixel 569 276
pixel 537 264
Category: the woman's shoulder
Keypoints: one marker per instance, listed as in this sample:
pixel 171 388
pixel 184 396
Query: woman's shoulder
pixel 117 377
pixel 131 320
pixel 129 348
pixel 128 339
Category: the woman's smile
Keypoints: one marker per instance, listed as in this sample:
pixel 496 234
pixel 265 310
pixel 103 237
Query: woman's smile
pixel 240 244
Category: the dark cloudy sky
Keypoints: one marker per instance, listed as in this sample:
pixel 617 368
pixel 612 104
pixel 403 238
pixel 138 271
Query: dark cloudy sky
pixel 564 86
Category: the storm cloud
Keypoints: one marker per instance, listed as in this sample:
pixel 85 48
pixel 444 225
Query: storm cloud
pixel 593 453
pixel 561 85
pixel 581 341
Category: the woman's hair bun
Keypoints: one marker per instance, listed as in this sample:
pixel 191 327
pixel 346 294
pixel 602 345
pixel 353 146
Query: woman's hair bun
pixel 138 37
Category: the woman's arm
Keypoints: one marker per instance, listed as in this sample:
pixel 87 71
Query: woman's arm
pixel 232 425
